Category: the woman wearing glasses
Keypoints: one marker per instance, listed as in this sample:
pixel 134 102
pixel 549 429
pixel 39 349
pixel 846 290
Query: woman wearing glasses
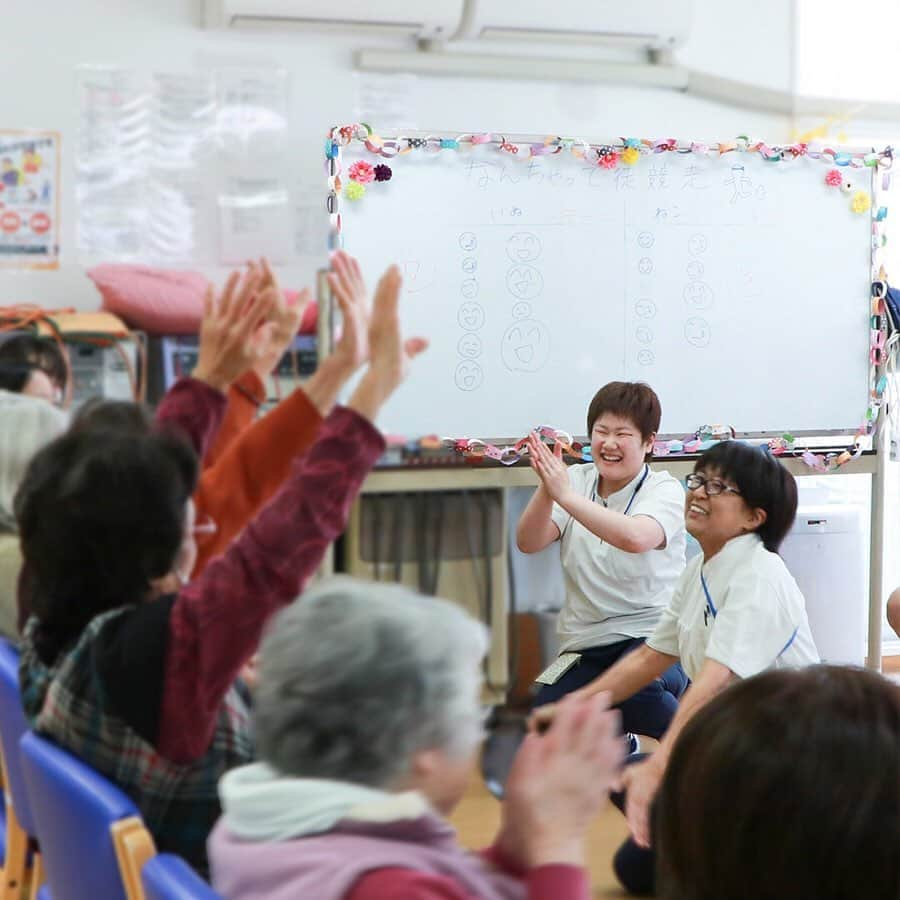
pixel 735 612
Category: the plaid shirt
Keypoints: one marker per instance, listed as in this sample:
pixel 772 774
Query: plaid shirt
pixel 69 703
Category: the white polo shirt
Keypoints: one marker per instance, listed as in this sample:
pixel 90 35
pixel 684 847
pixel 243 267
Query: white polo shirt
pixel 754 617
pixel 612 595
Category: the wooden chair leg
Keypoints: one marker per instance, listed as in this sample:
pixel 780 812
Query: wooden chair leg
pixel 37 877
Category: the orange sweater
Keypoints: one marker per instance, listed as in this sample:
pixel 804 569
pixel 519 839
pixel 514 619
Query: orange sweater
pixel 248 461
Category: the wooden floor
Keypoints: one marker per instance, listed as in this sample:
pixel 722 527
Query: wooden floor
pixel 477 819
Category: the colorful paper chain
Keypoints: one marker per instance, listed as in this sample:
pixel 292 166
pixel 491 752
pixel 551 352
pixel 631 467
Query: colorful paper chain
pixel 342 136
pixel 705 437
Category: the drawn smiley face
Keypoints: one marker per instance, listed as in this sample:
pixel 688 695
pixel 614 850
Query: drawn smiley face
pixel 524 282
pixel 417 277
pixel 469 265
pixel 523 247
pixel 468 376
pixel 469 288
pixel 470 346
pixel 698 295
pixel 645 309
pixel 697 332
pixel 645 265
pixel 521 310
pixel 643 334
pixel 646 357
pixel 695 270
pixel 645 239
pixel 468 241
pixel 697 244
pixel 525 346
pixel 470 316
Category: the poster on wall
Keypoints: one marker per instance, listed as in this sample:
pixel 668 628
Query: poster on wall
pixel 29 199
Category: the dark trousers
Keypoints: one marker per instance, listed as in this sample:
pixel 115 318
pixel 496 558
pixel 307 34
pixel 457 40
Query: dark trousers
pixel 634 866
pixel 648 712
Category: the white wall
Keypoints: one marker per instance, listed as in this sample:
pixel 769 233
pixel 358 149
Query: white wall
pixel 52 37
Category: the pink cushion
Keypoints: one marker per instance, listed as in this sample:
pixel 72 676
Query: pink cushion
pixel 163 301
pixel 158 301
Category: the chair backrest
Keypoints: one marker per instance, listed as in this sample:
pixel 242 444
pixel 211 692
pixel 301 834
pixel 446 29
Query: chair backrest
pixel 168 877
pixel 81 821
pixel 12 727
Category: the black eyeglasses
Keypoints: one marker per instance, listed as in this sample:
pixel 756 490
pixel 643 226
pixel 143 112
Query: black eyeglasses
pixel 714 486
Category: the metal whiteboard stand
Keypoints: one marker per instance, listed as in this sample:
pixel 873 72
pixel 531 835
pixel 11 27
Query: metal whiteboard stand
pixel 876 541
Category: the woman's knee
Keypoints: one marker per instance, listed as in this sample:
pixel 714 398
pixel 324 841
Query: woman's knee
pixel 635 868
pixel 893 610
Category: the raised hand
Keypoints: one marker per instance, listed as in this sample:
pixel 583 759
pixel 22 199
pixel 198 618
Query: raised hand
pixel 548 466
pixel 349 289
pixel 390 353
pixel 227 346
pixel 559 781
pixel 275 336
pixel 641 783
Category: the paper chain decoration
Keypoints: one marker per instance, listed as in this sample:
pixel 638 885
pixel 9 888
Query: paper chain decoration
pixel 627 152
pixel 705 437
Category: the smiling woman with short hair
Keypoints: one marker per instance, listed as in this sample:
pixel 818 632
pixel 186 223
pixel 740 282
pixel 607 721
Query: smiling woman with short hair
pixel 736 611
pixel 620 529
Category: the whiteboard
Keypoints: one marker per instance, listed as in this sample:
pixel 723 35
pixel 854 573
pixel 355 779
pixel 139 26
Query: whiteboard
pixel 735 286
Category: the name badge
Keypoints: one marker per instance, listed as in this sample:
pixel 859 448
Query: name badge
pixel 558 668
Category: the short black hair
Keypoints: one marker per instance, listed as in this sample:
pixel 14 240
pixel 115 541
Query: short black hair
pixel 631 400
pixel 763 482
pixel 101 514
pixel 122 415
pixel 22 354
pixel 785 785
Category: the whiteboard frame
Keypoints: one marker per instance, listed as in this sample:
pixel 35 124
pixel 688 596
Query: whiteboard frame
pixel 333 206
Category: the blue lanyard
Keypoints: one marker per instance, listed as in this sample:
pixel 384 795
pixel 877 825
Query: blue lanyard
pixel 710 606
pixel 712 611
pixel 639 485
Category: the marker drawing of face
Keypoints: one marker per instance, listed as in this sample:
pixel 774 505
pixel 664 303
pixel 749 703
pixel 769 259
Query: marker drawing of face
pixel 468 375
pixel 698 295
pixel 523 247
pixel 697 332
pixel 469 346
pixel 525 346
pixel 524 282
pixel 470 316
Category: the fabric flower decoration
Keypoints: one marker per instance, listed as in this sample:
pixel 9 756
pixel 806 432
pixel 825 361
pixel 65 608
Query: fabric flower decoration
pixel 607 158
pixel 354 191
pixel 362 172
pixel 833 178
pixel 861 202
pixel 383 173
pixel 630 156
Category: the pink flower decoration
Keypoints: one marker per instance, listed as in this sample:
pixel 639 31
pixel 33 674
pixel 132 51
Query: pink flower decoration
pixel 362 171
pixel 609 161
pixel 834 178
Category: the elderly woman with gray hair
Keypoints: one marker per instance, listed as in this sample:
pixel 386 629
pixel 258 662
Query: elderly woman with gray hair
pixel 368 725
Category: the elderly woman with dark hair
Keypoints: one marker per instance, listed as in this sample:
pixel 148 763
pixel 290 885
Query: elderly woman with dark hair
pixel 368 724
pixel 786 786
pixel 736 611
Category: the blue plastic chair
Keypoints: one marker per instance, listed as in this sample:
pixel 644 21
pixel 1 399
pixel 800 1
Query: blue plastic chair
pixel 18 825
pixel 93 842
pixel 169 877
